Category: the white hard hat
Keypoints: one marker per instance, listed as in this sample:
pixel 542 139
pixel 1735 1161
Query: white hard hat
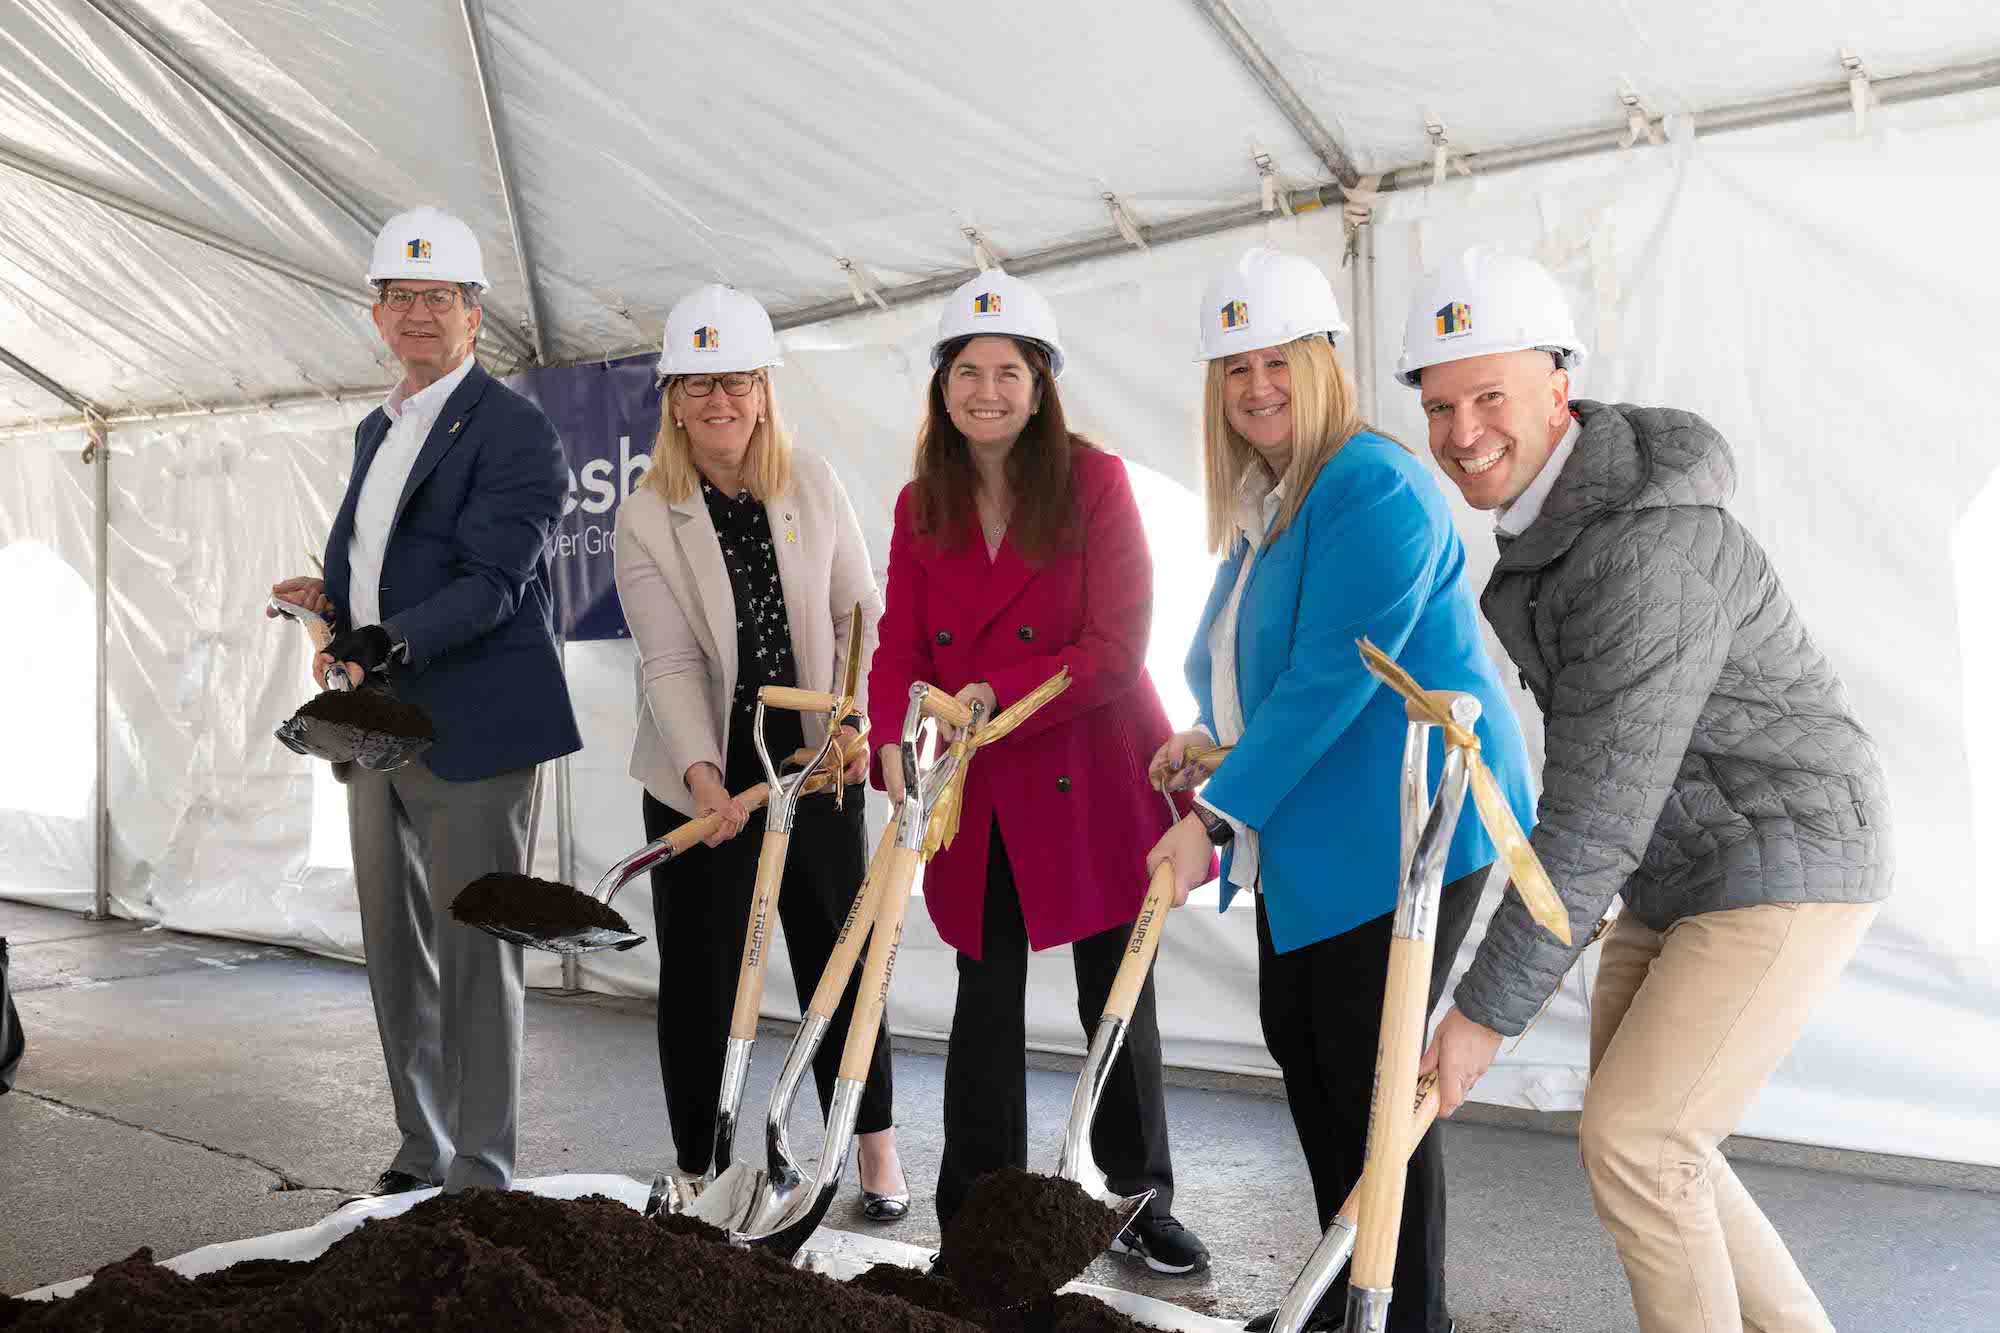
pixel 717 330
pixel 999 303
pixel 426 243
pixel 1483 301
pixel 1266 299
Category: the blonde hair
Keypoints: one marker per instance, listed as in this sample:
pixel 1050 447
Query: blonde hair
pixel 767 463
pixel 1324 417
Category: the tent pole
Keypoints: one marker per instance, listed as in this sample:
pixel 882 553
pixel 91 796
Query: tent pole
pixel 223 99
pixel 142 415
pixel 1792 107
pixel 1835 100
pixel 98 454
pixel 353 293
pixel 482 64
pixel 1366 335
pixel 231 106
pixel 1279 89
pixel 79 402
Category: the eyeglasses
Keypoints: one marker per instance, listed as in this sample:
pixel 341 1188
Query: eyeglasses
pixel 437 300
pixel 701 386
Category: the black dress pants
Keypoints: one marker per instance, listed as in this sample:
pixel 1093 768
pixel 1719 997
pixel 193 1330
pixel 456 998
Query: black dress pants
pixel 701 907
pixel 1322 1012
pixel 986 1065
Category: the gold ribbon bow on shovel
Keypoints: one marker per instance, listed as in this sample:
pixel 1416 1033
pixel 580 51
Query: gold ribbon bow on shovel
pixel 784 1208
pixel 1368 1223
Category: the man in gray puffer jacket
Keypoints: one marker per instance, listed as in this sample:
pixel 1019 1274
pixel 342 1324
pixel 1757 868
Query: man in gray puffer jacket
pixel 1702 764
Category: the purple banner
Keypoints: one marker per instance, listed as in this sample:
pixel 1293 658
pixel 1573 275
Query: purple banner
pixel 607 414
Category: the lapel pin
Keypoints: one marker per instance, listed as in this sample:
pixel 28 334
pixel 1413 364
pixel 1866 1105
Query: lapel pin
pixel 454 427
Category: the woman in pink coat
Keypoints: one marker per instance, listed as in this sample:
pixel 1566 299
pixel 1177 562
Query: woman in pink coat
pixel 1018 552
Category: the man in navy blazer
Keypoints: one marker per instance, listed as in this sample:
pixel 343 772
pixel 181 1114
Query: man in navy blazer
pixel 438 580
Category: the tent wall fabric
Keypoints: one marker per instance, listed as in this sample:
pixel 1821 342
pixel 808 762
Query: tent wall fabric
pixel 1810 289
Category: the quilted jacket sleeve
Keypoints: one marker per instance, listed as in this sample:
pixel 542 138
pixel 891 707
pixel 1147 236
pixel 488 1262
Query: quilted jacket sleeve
pixel 1642 638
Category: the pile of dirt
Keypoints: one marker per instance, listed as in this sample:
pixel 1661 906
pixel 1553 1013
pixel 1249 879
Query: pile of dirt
pixel 539 907
pixel 490 1262
pixel 984 1252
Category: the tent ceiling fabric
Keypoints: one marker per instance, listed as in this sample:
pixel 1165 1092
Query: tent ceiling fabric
pixel 756 147
pixel 1504 74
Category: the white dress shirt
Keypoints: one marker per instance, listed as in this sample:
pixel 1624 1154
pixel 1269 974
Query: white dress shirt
pixel 1511 520
pixel 411 417
pixel 1258 502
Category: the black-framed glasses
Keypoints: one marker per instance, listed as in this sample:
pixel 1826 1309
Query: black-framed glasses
pixel 701 386
pixel 437 300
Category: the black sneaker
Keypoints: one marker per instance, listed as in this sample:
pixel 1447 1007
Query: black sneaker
pixel 1165 1245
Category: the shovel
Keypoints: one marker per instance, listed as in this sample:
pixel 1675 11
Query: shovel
pixel 587 935
pixel 1427 827
pixel 746 1198
pixel 584 936
pixel 932 790
pixel 1337 1245
pixel 346 742
pixel 674 1194
pixel 1076 1162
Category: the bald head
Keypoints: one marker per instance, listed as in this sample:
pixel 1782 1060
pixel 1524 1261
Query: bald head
pixel 1494 420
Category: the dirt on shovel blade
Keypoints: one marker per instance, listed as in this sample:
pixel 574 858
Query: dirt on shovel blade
pixel 492 1262
pixel 368 726
pixel 1020 1235
pixel 540 913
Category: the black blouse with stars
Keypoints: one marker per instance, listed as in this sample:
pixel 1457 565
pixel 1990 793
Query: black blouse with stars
pixel 763 634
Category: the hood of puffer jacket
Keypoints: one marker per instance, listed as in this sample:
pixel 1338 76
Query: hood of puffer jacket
pixel 1626 458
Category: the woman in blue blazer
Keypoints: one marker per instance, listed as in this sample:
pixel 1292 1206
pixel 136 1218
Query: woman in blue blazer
pixel 1332 533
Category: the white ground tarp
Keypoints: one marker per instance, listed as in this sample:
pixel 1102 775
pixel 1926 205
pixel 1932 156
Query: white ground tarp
pixel 1822 297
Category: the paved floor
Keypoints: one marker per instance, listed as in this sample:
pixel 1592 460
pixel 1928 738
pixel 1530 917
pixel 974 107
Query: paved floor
pixel 181 1090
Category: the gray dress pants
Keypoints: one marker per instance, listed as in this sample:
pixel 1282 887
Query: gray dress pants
pixel 447 997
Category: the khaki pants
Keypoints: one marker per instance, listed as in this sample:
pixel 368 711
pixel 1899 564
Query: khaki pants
pixel 1687 1025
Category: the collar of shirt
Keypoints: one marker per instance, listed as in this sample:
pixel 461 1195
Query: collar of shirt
pixel 429 400
pixel 1511 520
pixel 1258 500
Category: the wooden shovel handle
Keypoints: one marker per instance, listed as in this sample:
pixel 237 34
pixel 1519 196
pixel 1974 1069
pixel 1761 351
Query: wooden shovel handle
pixel 1420 1125
pixel 798 701
pixel 757 935
pixel 692 832
pixel 946 708
pixel 839 967
pixel 1145 942
pixel 1401 1049
pixel 898 876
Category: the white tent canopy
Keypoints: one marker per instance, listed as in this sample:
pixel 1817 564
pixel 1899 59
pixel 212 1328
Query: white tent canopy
pixel 187 197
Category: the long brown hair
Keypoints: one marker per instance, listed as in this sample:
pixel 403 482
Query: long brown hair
pixel 1038 467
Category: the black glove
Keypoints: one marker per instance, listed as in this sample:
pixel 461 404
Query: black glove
pixel 367 647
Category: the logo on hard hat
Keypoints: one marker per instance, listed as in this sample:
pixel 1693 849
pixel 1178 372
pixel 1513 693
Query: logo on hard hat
pixel 1235 315
pixel 1454 320
pixel 417 250
pixel 707 338
pixel 986 303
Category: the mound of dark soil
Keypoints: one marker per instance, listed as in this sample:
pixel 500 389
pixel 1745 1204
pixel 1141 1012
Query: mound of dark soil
pixel 491 1262
pixel 532 906
pixel 986 1249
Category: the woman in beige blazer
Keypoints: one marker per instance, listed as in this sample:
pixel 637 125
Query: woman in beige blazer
pixel 739 563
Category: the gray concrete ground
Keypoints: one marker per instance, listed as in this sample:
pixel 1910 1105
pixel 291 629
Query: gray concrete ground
pixel 181 1090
